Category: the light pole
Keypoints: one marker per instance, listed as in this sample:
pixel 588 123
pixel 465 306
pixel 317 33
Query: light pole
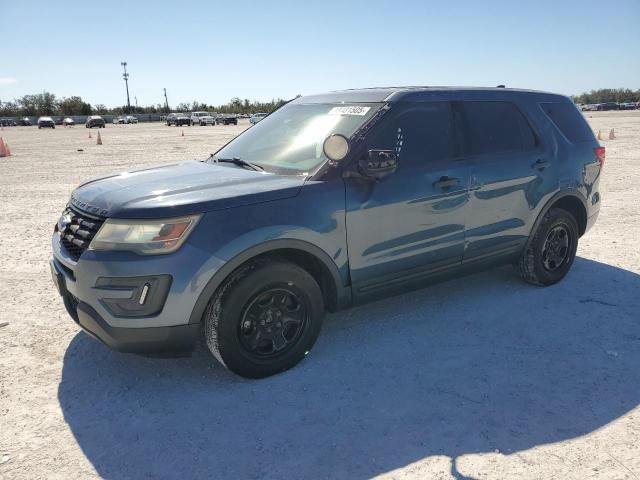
pixel 136 99
pixel 125 75
pixel 166 102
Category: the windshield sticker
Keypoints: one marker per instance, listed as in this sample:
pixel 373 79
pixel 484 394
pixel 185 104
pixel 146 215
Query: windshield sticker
pixel 351 110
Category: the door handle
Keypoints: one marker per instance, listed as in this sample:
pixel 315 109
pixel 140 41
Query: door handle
pixel 540 164
pixel 446 182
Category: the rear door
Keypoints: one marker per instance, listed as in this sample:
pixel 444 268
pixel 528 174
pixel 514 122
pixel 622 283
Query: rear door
pixel 411 224
pixel 511 173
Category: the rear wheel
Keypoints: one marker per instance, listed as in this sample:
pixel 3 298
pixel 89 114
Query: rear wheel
pixel 264 319
pixel 551 250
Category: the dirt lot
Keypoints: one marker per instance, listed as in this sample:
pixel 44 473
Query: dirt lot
pixel 482 377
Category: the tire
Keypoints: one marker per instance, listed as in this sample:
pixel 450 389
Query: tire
pixel 231 326
pixel 546 260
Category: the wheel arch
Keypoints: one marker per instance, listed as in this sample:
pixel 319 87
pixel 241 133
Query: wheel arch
pixel 570 200
pixel 306 255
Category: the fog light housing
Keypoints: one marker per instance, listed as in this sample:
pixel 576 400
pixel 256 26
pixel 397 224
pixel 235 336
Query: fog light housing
pixel 134 296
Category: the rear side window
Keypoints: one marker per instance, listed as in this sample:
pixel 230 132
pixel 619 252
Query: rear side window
pixel 569 120
pixel 492 127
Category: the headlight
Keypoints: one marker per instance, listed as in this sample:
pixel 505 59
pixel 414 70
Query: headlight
pixel 146 237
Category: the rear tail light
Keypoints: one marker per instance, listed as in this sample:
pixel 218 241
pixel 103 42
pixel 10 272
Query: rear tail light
pixel 600 155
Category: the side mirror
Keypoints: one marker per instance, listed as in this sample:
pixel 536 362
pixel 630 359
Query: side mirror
pixel 379 164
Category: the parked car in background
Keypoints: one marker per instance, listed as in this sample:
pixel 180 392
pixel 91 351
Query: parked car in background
pixel 8 122
pixel 608 106
pixel 195 117
pixel 95 121
pixel 335 200
pixel 202 120
pixel 178 119
pixel 46 122
pixel 226 119
pixel 628 106
pixel 25 122
pixel 131 119
pixel 119 120
pixel 68 121
pixel 256 117
pixel 59 120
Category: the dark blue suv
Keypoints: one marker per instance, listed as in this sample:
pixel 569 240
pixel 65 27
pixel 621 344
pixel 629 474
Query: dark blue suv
pixel 330 201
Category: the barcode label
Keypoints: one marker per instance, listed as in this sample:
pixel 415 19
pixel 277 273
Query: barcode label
pixel 350 110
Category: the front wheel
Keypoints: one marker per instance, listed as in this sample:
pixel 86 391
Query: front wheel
pixel 551 250
pixel 264 319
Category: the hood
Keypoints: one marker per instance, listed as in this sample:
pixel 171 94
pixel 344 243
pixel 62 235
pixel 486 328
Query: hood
pixel 181 189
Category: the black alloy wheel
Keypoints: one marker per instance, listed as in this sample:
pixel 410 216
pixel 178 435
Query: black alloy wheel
pixel 555 251
pixel 272 322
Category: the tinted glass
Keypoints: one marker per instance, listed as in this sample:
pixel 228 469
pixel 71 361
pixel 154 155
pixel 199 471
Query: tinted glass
pixel 492 127
pixel 418 133
pixel 569 120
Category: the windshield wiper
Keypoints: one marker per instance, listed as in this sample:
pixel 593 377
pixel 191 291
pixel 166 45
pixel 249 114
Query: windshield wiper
pixel 241 163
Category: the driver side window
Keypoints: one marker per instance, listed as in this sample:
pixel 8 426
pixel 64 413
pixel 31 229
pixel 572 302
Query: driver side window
pixel 417 133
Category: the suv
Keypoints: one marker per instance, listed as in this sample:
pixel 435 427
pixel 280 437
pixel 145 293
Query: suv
pixel 197 116
pixel 207 119
pixel 331 201
pixel 95 121
pixel 256 117
pixel 178 119
pixel 46 122
pixel 226 119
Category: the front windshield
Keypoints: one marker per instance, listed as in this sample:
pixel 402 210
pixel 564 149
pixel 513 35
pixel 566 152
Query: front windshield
pixel 289 141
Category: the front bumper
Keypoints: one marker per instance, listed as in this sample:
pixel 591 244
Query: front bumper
pixel 169 329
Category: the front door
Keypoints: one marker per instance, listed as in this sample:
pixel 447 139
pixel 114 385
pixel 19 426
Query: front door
pixel 410 224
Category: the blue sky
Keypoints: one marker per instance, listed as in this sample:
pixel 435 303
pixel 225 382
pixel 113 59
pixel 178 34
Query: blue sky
pixel 212 51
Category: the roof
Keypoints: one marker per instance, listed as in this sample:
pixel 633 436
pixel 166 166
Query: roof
pixel 397 94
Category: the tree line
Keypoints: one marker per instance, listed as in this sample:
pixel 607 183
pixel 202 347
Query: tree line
pixel 604 95
pixel 46 103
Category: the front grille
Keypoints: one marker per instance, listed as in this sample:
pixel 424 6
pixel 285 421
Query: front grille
pixel 77 230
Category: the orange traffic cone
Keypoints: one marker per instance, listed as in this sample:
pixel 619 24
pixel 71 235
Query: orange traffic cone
pixel 599 137
pixel 182 133
pixel 6 149
pixel 3 152
pixel 612 135
pixel 99 140
pixel 89 134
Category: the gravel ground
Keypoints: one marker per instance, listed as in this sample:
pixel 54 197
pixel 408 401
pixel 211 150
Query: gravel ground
pixel 481 377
